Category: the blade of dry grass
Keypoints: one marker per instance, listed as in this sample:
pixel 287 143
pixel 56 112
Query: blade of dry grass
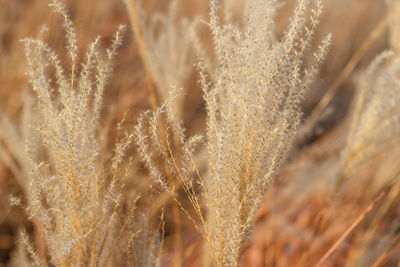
pixel 358 220
pixel 134 20
pixel 383 257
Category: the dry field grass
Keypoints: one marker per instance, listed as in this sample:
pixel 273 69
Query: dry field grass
pixel 333 199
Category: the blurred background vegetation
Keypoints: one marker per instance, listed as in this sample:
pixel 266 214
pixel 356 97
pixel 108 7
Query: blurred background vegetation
pixel 298 222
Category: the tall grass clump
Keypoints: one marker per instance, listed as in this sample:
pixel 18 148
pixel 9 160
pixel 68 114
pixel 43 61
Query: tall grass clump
pixel 253 112
pixel 75 189
pixel 375 116
pixel 166 42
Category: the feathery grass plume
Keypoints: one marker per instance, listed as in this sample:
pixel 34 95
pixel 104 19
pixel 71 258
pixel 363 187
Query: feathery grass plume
pixel 232 12
pixel 168 42
pixel 174 148
pixel 73 197
pixel 13 152
pixel 253 113
pixel 172 164
pixel 254 110
pixel 375 117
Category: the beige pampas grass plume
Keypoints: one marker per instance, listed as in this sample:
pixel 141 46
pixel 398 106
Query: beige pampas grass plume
pixel 253 112
pixel 375 116
pixel 73 198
